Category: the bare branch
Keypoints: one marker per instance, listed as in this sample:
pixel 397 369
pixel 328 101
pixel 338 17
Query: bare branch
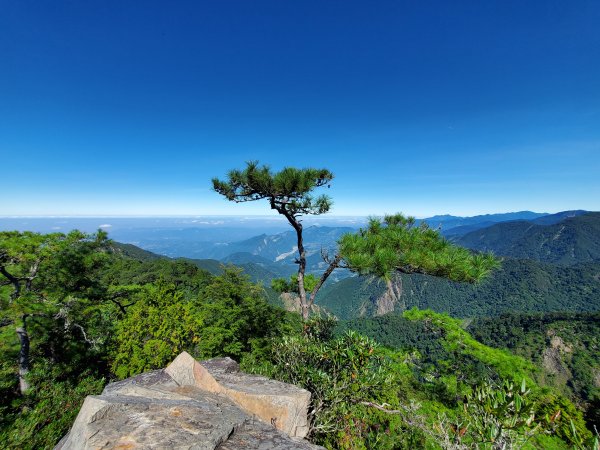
pixel 383 407
pixel 33 271
pixel 92 342
pixel 121 306
pixel 332 266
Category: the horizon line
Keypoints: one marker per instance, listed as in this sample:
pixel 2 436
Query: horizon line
pixel 249 216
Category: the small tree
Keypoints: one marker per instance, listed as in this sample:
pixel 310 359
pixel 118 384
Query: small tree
pixel 394 244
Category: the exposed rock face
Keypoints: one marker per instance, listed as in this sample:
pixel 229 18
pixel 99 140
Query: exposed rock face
pixel 192 405
pixel 391 299
pixel 553 356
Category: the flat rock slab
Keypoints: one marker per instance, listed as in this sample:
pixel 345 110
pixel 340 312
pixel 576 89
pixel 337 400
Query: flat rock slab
pixel 169 409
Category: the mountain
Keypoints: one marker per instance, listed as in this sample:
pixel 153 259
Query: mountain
pixel 447 222
pixel 283 246
pixel 210 265
pixel 520 285
pixel 258 269
pixel 464 229
pixel 548 219
pixel 551 219
pixel 572 240
pixel 552 264
pixel 277 253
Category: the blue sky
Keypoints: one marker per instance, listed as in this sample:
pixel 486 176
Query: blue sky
pixel 129 108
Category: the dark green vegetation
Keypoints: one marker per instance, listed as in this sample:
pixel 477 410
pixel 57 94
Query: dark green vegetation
pixel 519 285
pixel 548 267
pixel 452 392
pixel 95 311
pixel 563 347
pixel 77 311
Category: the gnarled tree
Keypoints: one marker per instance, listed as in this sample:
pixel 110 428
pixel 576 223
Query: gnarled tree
pixel 394 244
pixel 289 193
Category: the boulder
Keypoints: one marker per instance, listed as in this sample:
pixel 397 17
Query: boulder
pixel 192 405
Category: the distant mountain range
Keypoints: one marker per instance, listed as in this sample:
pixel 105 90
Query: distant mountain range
pixel 450 229
pixel 214 237
pixel 447 222
pixel 551 263
pixel 572 240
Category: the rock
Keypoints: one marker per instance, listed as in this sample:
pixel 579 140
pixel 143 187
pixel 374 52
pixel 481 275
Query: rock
pixel 191 405
pixel 283 405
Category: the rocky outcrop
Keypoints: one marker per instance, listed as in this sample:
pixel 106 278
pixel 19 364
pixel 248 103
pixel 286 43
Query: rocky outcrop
pixel 391 299
pixel 193 405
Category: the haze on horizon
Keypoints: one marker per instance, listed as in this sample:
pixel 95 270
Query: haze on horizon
pixel 428 108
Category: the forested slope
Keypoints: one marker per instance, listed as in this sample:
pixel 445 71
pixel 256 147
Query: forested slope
pixel 519 285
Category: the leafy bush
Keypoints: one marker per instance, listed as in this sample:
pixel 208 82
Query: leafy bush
pixel 228 317
pixel 345 376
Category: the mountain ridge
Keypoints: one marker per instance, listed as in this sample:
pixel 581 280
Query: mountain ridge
pixel 569 241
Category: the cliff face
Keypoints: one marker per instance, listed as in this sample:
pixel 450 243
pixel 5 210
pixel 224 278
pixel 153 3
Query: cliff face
pixel 192 405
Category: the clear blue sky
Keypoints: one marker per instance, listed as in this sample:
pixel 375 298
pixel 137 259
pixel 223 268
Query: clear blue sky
pixel 461 107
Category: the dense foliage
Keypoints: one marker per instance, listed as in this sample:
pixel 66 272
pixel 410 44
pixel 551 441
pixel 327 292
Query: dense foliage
pixel 466 396
pixel 92 313
pixel 396 244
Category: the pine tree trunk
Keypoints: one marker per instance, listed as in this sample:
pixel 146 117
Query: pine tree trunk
pixel 23 358
pixel 301 271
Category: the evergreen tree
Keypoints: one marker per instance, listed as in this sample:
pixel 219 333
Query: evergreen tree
pixel 289 193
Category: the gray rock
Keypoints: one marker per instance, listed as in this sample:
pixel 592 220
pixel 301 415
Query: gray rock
pixel 283 405
pixel 169 409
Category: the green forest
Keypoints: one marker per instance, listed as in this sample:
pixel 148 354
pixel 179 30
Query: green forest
pixel 79 311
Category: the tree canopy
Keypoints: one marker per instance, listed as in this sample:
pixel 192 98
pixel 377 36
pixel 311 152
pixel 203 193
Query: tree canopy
pixel 51 278
pixel 288 191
